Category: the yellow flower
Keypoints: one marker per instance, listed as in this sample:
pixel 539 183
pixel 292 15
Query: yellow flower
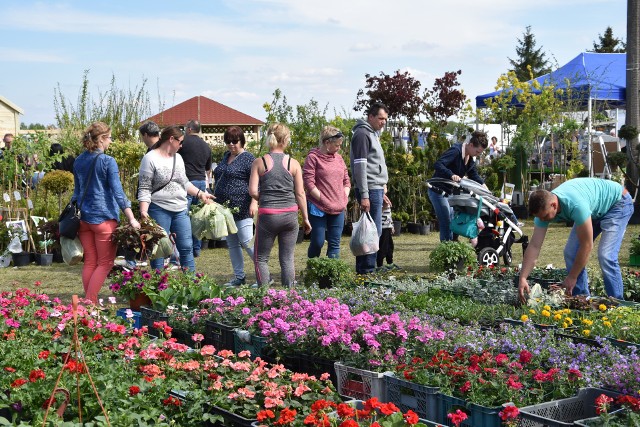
pixel 524 318
pixel 545 313
pixel 586 332
pixel 602 307
pixel 568 320
pixel 532 311
pixel 607 324
pixel 546 307
pixel 565 325
pixel 557 316
pixel 587 322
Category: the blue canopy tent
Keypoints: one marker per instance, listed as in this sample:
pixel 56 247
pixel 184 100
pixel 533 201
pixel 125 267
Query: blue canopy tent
pixel 591 77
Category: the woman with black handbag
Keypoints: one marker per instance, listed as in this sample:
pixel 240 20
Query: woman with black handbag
pixel 99 194
pixel 163 189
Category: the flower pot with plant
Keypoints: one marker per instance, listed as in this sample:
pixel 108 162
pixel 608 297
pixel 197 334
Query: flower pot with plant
pixel 326 272
pixel 452 255
pixel 634 252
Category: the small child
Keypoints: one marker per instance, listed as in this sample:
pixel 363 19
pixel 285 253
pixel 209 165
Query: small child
pixel 386 241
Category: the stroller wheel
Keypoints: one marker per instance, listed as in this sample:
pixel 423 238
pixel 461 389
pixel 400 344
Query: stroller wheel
pixel 507 258
pixel 488 257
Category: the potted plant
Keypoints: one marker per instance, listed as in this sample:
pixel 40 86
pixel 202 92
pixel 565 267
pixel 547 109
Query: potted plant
pixel 325 272
pixel 43 247
pixel 452 255
pixel 50 228
pixel 634 252
pixel 17 236
pixel 400 218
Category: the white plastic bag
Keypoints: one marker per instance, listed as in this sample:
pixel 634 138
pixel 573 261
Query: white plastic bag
pixel 213 221
pixel 364 238
pixel 72 251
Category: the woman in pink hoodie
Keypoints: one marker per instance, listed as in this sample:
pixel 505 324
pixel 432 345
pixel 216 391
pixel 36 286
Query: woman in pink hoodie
pixel 327 184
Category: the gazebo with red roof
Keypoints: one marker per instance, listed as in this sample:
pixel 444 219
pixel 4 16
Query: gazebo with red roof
pixel 213 116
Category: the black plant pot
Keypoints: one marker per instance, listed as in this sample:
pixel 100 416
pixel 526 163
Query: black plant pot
pixel 204 244
pixel 397 228
pixel 21 259
pixel 425 229
pixel 57 256
pixel 44 259
pixel 413 227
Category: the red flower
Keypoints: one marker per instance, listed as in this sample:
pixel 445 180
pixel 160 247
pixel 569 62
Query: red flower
pixel 389 408
pixel 630 402
pixel 18 383
pixel 321 404
pixel 9 369
pixel 345 411
pixel 502 359
pixel 265 415
pixel 525 357
pixel 44 354
pixel 457 417
pixel 602 404
pixel 465 387
pixel 509 413
pixel 287 416
pixel 172 401
pixel 513 383
pixel 574 375
pixel 133 390
pixel 349 423
pixel 411 417
pixel 35 375
pixel 375 424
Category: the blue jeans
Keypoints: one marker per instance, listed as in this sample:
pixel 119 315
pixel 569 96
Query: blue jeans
pixel 180 224
pixel 444 213
pixel 612 227
pixel 237 242
pixel 200 185
pixel 329 227
pixel 367 263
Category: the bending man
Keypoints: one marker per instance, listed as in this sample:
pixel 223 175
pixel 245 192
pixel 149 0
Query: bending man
pixel 596 206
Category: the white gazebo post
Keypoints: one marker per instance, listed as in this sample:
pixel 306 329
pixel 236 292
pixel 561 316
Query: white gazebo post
pixel 589 147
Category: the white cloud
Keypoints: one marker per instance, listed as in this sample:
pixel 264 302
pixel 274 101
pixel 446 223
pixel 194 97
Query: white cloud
pixel 364 47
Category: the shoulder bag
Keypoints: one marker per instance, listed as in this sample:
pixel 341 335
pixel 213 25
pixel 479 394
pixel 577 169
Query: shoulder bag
pixel 69 221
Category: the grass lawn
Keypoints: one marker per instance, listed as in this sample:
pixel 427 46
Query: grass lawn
pixel 411 253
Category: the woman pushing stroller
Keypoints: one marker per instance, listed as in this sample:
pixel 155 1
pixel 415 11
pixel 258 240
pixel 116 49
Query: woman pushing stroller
pixel 456 163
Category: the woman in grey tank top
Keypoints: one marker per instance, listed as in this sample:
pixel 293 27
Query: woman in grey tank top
pixel 276 183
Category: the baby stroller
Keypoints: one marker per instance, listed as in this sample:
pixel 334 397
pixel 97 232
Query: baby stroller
pixel 471 201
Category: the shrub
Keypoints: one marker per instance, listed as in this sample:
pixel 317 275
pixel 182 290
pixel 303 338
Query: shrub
pixel 449 255
pixel 326 272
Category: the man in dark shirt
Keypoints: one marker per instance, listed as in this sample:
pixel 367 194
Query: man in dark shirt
pixel 197 162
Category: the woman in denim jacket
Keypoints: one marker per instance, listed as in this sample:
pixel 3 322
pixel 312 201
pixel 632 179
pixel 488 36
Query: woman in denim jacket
pixel 101 205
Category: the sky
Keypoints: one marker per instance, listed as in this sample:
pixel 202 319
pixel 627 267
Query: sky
pixel 238 52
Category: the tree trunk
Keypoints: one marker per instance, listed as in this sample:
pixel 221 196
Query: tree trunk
pixel 633 75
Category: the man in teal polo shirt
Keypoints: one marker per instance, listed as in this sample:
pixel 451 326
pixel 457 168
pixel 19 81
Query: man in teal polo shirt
pixel 596 207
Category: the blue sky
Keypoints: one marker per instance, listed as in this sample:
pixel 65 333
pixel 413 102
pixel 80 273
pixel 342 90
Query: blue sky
pixel 238 52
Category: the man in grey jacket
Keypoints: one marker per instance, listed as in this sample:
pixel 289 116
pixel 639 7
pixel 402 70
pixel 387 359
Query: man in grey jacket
pixel 369 172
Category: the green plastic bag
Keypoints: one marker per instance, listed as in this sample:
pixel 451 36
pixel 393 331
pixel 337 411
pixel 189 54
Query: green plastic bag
pixel 213 221
pixel 163 249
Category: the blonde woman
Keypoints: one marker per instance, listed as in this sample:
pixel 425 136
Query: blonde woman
pixel 276 183
pixel 327 183
pixel 98 188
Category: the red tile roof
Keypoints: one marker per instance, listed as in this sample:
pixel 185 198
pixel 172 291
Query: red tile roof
pixel 207 111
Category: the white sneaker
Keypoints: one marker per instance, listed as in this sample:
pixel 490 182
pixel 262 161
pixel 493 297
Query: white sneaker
pixel 174 267
pixel 520 224
pixel 120 262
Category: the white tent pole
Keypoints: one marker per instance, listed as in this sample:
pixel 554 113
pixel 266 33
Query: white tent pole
pixel 589 150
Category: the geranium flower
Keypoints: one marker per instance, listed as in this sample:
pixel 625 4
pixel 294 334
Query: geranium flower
pixel 602 404
pixel 133 390
pixel 457 417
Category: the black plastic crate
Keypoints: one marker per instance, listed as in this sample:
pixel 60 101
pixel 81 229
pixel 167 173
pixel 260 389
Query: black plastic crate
pixel 219 335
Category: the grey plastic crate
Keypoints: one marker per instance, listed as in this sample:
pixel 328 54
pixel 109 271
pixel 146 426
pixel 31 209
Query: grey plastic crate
pixel 360 383
pixel 563 412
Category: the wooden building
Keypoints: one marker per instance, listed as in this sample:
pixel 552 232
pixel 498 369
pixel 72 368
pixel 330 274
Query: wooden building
pixel 213 116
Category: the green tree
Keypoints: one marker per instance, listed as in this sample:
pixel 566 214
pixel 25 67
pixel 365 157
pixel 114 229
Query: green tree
pixel 531 62
pixel 609 44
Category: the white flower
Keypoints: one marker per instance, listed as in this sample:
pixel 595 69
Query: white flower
pixel 112 300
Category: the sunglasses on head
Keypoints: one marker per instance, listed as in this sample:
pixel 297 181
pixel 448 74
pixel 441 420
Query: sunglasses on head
pixel 336 136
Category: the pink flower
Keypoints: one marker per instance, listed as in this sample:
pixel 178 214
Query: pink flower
pixel 197 337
